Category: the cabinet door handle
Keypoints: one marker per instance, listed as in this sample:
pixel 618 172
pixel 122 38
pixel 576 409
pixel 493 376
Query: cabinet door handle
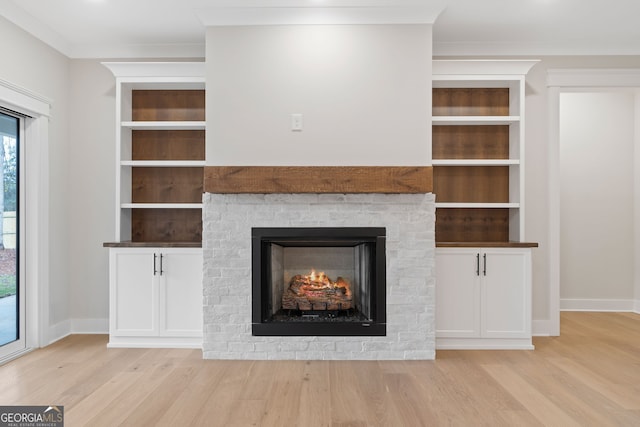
pixel 155 270
pixel 484 264
pixel 477 264
pixel 161 271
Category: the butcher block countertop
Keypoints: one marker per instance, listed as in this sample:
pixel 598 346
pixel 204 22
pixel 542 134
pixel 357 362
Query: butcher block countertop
pixel 130 244
pixel 486 245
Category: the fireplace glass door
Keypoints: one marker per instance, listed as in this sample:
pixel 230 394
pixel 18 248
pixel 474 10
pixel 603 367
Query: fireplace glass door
pixel 319 281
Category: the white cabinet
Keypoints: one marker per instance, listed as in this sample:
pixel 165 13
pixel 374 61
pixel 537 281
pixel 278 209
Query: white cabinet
pixel 155 297
pixel 483 298
pixel 156 257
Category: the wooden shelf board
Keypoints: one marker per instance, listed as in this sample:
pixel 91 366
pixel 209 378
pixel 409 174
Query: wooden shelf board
pixel 168 125
pixel 164 163
pixel 486 245
pixel 479 205
pixel 475 162
pixel 130 244
pixel 161 205
pixel 474 120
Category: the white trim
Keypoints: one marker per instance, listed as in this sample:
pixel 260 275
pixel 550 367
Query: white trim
pixel 36 239
pixel 24 100
pixel 34 26
pixel 567 304
pixel 393 12
pixel 57 332
pixel 15 355
pixel 580 77
pixel 156 69
pixel 571 80
pixel 90 326
pixel 483 344
pixel 138 51
pixel 636 204
pixel 155 342
pixel 496 68
pixel 553 190
pixel 507 48
pixel 542 328
pixel 192 125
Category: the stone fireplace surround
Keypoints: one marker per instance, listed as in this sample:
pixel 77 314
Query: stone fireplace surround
pixel 398 198
pixel 409 220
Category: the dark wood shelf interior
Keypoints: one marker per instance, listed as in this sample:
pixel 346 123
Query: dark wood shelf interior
pixel 470 101
pixel 470 142
pixel 167 184
pixel 472 225
pixel 471 184
pixel 167 105
pixel 167 145
pixel 166 225
pixel 179 184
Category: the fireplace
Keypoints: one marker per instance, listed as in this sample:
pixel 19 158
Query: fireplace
pixel 409 297
pixel 318 281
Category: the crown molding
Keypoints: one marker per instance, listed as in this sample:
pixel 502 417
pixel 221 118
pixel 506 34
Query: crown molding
pixel 156 69
pixel 402 12
pixel 531 48
pixel 35 27
pixel 601 77
pixel 490 67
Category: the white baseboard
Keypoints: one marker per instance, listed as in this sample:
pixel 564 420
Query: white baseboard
pixel 89 326
pixel 57 332
pixel 636 306
pixel 76 326
pixel 541 328
pixel 598 305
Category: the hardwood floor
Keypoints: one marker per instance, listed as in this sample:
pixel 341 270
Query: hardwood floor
pixel 589 376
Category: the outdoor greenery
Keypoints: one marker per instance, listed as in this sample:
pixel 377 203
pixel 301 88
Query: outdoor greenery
pixel 10 175
pixel 7 285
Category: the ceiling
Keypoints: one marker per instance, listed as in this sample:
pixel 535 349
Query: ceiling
pixel 176 28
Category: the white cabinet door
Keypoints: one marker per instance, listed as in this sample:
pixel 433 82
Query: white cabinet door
pixel 506 290
pixel 133 294
pixel 483 298
pixel 181 293
pixel 457 293
pixel 155 297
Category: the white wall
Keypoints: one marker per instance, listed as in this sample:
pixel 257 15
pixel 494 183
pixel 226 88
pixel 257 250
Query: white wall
pixel 81 175
pixel 33 65
pixel 597 196
pixel 537 171
pixel 81 143
pixel 364 92
pixel 91 192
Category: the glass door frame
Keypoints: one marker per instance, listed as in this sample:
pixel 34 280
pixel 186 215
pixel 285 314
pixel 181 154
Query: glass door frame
pixel 36 108
pixel 20 344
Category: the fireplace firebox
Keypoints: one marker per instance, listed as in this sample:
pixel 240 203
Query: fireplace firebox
pixel 319 281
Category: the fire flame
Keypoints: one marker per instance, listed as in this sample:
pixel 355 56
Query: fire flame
pixel 318 278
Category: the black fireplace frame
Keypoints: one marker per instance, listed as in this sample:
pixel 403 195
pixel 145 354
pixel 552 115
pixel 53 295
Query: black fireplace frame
pixel 262 238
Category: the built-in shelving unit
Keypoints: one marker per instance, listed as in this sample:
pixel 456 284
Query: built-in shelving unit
pixel 478 150
pixel 483 263
pixel 155 275
pixel 160 146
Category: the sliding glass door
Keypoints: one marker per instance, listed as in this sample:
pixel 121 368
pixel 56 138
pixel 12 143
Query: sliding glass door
pixel 12 324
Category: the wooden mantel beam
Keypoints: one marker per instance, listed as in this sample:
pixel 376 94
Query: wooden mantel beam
pixel 318 179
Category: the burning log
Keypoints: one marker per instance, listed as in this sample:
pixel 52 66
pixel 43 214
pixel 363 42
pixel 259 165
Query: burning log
pixel 317 292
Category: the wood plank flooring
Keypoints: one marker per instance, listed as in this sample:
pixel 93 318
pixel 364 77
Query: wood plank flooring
pixel 589 376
